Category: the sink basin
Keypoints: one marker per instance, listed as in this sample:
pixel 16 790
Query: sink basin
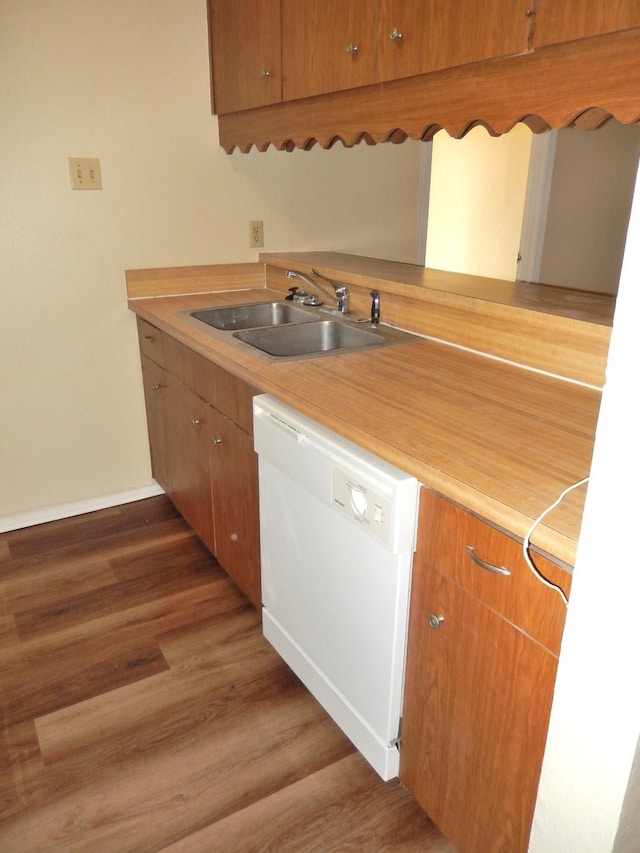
pixel 318 337
pixel 254 315
pixel 286 330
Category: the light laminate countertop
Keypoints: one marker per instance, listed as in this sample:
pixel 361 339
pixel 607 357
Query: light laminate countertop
pixel 500 440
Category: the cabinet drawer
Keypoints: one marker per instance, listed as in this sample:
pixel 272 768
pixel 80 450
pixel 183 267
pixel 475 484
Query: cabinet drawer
pixel 445 535
pixel 151 341
pixel 224 391
pixel 232 396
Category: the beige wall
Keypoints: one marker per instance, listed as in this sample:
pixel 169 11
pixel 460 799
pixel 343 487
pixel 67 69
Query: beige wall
pixel 476 202
pixel 128 82
pixel 589 203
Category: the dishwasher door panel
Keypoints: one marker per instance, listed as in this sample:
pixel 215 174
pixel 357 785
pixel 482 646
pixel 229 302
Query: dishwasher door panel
pixel 337 528
pixel 345 606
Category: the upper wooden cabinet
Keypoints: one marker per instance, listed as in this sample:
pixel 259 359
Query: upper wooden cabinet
pixel 265 51
pixel 244 38
pixel 559 21
pixel 418 36
pixel 327 46
pixel 342 44
pixel 385 70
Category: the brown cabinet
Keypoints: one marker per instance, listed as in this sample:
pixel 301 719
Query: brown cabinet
pixel 327 46
pixel 559 21
pixel 481 666
pixel 189 486
pixel 233 467
pixel 177 426
pixel 262 52
pixel 419 36
pixel 428 64
pixel 332 45
pixel 244 38
pixel 154 380
pixel 199 421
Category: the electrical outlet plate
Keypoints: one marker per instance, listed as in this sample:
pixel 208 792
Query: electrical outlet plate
pixel 256 234
pixel 85 173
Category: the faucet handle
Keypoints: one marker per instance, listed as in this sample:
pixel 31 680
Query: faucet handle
pixel 341 292
pixel 342 297
pixel 375 307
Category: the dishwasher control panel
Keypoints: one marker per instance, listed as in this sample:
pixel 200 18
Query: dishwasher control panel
pixel 363 504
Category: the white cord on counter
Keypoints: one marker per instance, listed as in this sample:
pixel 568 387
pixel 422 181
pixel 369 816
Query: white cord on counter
pixel 527 538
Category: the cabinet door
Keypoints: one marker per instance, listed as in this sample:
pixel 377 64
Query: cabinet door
pixel 565 20
pixel 244 38
pixel 234 485
pixel 418 36
pixel 189 485
pixel 327 45
pixel 477 700
pixel 154 380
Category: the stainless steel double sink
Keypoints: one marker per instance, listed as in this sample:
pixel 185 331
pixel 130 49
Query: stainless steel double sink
pixel 286 330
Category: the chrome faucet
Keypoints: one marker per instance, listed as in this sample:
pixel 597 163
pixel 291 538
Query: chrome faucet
pixel 340 295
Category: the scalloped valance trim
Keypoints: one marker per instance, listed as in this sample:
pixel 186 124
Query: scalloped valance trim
pixel 582 83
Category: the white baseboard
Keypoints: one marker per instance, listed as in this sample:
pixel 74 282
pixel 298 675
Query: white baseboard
pixel 53 513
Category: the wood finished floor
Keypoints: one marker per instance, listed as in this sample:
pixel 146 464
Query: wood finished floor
pixel 142 710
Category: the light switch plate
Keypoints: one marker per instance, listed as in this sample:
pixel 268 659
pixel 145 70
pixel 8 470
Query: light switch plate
pixel 85 173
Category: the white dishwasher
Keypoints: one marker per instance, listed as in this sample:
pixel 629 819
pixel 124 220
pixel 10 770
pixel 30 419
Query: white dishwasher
pixel 337 530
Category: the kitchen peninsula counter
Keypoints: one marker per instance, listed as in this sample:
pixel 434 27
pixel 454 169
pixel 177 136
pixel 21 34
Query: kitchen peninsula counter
pixel 498 439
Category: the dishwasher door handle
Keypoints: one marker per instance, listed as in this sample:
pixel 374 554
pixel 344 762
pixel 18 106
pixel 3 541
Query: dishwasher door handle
pixel 274 422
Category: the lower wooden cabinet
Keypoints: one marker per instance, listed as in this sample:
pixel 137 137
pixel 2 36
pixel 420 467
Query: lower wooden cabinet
pixel 189 486
pixel 233 467
pixel 154 380
pixel 203 456
pixel 478 687
pixel 178 423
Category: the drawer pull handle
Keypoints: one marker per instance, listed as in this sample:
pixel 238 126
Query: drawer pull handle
pixel 435 621
pixel 497 570
pixel 149 338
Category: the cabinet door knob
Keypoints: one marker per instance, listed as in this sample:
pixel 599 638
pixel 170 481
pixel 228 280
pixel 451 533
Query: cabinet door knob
pixel 157 387
pixel 497 570
pixel 435 621
pixel 216 441
pixel 149 338
pixel 351 48
pixel 264 73
pixel 195 422
pixel 395 34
